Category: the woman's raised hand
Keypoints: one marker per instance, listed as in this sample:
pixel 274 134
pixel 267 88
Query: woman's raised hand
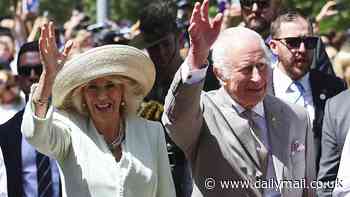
pixel 203 33
pixel 51 58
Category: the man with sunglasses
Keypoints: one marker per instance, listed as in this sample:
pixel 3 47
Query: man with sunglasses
pixel 258 16
pixel 29 173
pixel 292 79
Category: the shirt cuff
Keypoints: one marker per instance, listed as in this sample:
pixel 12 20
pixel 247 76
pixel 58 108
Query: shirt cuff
pixel 189 76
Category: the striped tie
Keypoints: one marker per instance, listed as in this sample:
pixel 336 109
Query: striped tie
pixel 44 175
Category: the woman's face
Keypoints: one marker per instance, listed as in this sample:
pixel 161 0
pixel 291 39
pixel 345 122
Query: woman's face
pixel 103 98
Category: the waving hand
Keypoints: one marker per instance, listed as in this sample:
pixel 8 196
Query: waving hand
pixel 203 33
pixel 51 58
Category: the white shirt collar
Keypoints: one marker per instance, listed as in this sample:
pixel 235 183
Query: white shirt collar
pixel 258 108
pixel 284 81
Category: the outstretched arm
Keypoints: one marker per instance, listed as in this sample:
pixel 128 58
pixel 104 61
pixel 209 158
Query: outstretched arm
pixel 47 133
pixel 182 113
pixel 52 61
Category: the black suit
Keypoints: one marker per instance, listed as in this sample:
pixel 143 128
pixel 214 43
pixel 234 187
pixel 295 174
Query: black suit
pixel 321 60
pixel 323 86
pixel 329 86
pixel 11 145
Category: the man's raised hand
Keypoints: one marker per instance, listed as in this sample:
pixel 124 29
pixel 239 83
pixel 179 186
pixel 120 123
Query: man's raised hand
pixel 203 33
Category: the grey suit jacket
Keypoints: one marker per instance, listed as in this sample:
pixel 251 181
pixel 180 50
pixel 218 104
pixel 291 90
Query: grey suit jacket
pixel 336 124
pixel 220 147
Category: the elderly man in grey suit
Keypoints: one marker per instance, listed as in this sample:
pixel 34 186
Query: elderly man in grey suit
pixel 238 139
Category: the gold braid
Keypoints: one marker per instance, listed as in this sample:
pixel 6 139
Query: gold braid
pixel 151 110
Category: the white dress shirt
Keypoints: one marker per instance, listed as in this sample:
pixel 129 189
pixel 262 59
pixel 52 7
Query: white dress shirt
pixel 286 90
pixel 3 177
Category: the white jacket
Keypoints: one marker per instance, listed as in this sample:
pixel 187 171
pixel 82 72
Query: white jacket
pixel 88 166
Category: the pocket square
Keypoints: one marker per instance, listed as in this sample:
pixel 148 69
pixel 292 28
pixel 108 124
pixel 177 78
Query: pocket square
pixel 296 146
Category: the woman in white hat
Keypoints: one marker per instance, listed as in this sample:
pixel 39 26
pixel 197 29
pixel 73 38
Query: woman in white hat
pixel 90 125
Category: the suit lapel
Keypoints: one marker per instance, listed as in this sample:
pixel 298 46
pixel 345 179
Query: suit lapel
pixel 320 93
pixel 238 125
pixel 12 152
pixel 277 125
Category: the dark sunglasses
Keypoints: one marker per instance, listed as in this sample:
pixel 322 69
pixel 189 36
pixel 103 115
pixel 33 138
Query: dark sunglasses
pixel 25 70
pixel 248 4
pixel 294 42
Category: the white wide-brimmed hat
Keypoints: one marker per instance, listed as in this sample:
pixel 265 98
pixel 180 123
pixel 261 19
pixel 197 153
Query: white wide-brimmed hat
pixel 109 60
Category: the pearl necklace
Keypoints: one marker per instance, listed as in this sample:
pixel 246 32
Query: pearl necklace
pixel 118 140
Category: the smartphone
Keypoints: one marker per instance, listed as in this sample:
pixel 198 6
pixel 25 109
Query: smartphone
pixel 30 6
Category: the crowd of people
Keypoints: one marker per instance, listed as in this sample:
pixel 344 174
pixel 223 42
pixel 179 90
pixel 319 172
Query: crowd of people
pixel 178 99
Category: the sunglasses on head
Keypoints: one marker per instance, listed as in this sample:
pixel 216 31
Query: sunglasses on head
pixel 25 70
pixel 294 42
pixel 248 4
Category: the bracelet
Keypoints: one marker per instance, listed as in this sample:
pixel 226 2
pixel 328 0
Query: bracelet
pixel 41 102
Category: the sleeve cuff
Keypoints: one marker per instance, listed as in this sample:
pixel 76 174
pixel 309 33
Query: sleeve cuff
pixel 189 76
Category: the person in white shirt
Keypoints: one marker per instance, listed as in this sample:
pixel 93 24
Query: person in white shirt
pixel 292 79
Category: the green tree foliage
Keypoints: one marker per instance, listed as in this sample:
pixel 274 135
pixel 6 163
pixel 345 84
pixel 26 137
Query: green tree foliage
pixel 7 7
pixel 338 22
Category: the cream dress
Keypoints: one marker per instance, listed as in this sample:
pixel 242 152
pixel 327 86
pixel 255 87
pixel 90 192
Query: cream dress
pixel 88 166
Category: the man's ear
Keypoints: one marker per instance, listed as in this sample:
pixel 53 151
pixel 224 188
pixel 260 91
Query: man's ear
pixel 273 46
pixel 219 75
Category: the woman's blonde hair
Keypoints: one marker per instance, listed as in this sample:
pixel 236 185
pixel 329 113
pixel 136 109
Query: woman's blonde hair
pixel 132 96
pixel 342 59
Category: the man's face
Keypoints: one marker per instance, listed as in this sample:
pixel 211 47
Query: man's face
pixel 248 79
pixel 29 70
pixel 258 14
pixel 294 48
pixel 163 54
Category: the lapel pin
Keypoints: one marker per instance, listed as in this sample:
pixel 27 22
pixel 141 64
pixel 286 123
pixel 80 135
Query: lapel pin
pixel 273 120
pixel 322 96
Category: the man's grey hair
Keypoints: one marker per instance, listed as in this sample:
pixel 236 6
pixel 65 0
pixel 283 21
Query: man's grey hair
pixel 228 40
